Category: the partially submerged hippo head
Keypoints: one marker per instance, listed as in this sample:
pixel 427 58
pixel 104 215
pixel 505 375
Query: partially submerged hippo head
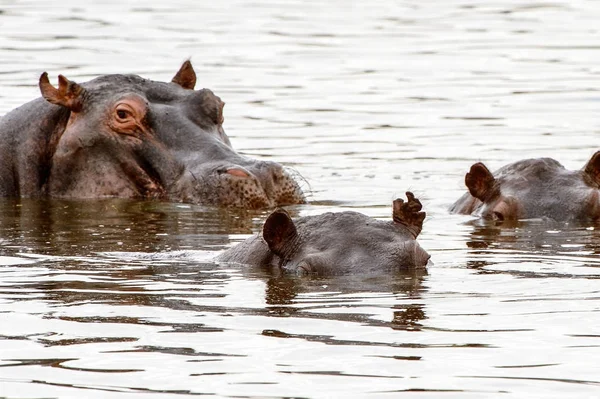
pixel 533 188
pixel 337 243
pixel 125 136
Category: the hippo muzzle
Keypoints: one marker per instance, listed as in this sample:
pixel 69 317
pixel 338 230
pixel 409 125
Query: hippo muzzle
pixel 255 185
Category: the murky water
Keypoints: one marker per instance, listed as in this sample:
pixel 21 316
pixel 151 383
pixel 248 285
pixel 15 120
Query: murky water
pixel 366 100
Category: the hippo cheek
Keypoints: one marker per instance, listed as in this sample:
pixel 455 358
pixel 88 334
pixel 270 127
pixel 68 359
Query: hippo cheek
pixel 102 167
pixel 102 178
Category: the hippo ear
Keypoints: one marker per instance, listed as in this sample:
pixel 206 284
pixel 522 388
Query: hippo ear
pixel 592 169
pixel 279 231
pixel 185 77
pixel 479 181
pixel 408 213
pixel 69 94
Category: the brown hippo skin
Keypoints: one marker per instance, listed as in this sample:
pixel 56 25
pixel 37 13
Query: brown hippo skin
pixel 336 243
pixel 531 189
pixel 126 136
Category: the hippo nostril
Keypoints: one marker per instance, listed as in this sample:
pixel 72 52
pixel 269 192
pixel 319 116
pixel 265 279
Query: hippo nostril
pixel 238 172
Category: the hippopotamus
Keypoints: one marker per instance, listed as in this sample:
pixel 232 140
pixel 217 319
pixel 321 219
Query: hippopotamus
pixel 336 243
pixel 533 189
pixel 130 137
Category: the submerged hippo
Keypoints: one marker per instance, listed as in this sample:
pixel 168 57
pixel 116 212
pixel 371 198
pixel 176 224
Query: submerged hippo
pixel 533 188
pixel 336 243
pixel 126 136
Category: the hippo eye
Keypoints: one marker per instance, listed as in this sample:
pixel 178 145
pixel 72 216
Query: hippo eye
pixel 124 111
pixel 498 216
pixel 128 115
pixel 123 114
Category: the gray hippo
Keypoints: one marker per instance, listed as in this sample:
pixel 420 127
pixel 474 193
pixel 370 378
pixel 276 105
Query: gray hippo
pixel 531 189
pixel 336 243
pixel 130 137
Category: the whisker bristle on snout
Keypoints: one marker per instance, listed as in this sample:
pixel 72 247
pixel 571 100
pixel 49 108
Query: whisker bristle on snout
pixel 301 180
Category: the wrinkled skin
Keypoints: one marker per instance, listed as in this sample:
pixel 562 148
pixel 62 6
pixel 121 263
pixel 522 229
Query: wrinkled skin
pixel 531 189
pixel 336 243
pixel 125 136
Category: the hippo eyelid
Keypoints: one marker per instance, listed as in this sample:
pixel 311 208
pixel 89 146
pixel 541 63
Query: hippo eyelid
pixel 123 110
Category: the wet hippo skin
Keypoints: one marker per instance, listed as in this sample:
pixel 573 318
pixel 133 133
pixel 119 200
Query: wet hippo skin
pixel 336 243
pixel 126 136
pixel 533 188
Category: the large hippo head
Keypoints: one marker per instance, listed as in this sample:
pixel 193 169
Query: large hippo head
pixel 337 243
pixel 126 136
pixel 533 188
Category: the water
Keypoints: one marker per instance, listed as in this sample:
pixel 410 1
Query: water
pixel 366 100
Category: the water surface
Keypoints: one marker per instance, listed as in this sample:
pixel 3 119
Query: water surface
pixel 119 298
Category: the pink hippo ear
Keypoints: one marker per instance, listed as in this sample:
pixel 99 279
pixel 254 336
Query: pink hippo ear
pixel 186 76
pixel 279 231
pixel 479 181
pixel 592 169
pixel 69 94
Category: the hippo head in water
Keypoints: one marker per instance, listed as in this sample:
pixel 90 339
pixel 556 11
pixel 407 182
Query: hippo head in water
pixel 126 136
pixel 531 189
pixel 337 243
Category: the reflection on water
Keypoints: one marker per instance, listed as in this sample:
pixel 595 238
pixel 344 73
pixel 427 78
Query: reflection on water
pixel 119 298
pixel 538 243
pixel 59 227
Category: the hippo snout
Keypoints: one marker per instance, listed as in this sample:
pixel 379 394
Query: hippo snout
pixel 419 258
pixel 271 177
pixel 260 184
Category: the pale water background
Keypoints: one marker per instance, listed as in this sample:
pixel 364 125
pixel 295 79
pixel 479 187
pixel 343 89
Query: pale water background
pixel 117 299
